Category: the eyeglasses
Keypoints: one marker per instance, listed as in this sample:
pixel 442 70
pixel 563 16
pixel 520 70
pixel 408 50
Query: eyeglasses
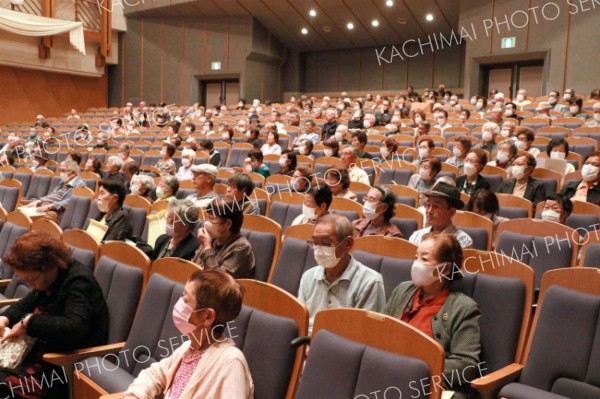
pixel 312 244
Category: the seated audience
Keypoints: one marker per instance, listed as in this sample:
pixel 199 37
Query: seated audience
pixel 239 189
pixel 166 165
pixel 287 163
pixel 472 180
pixel 338 181
pixel 489 131
pixel 595 120
pixel 305 148
pixel 143 185
pixel 507 151
pixel 214 156
pixel 349 159
pixel 425 146
pixel 378 210
pixel 522 184
pixel 586 189
pixel 359 142
pixel 111 195
pixel 124 152
pixel 442 202
pixel 256 164
pixel 425 179
pixel 338 280
pixel 252 137
pixel 64 311
pixel 525 137
pixel 485 203
pixel 114 164
pixel 557 208
pixel 576 109
pixel 222 246
pixel 388 150
pixel 272 145
pixel 316 204
pixel 179 240
pixel 188 156
pixel 204 179
pixel 461 148
pixel 332 148
pixel 207 364
pixel 167 188
pixel 428 303
pixel 558 148
pixel 130 169
pixel 93 165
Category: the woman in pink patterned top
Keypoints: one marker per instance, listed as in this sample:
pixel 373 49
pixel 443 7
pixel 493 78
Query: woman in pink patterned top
pixel 208 365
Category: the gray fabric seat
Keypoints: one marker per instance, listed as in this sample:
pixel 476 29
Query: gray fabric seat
pixel 478 235
pixel 284 213
pixel 152 337
pixel 406 226
pixel 273 166
pixel 10 232
pixel 84 256
pixel 25 179
pixel 150 160
pixel 295 257
pixel 494 180
pixel 122 286
pixel 249 331
pixel 138 220
pixel 592 256
pixel 563 360
pixel 75 214
pixel 535 252
pixel 393 270
pixel 39 186
pixel 9 196
pixel 339 368
pixel 350 215
pixel 400 176
pixel 513 213
pixel 582 221
pixel 275 188
pixel 237 157
pixel 263 245
pixel 182 193
pixel 15 289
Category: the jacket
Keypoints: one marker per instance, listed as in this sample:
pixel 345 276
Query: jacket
pixel 222 373
pixel 593 195
pixel 185 250
pixel 119 225
pixel 481 183
pixel 535 191
pixel 73 313
pixel 455 327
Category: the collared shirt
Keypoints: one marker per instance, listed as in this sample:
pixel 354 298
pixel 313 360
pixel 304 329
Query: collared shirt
pixel 364 227
pixel 359 175
pixel 358 287
pixel 204 201
pixel 234 256
pixel 419 315
pixel 61 194
pixel 314 137
pixel 582 191
pixel 185 173
pixel 463 238
pixel 184 373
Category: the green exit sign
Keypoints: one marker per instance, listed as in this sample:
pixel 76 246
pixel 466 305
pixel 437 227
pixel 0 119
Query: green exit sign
pixel 509 42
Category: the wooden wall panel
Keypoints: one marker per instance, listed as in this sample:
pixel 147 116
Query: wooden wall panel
pixel 24 93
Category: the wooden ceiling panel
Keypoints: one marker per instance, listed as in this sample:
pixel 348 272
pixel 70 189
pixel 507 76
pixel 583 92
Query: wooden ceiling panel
pixel 330 29
pixel 337 10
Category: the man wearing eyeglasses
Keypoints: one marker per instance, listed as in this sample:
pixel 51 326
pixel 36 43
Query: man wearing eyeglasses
pixel 338 280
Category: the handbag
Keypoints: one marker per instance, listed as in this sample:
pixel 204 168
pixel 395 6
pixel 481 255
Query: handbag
pixel 14 351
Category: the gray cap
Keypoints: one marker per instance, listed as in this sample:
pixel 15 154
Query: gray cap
pixel 205 168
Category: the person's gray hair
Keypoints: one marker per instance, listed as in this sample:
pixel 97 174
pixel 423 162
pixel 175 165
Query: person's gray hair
pixel 146 181
pixel 172 183
pixel 511 145
pixel 116 161
pixel 185 210
pixel 493 126
pixel 341 224
pixel 71 166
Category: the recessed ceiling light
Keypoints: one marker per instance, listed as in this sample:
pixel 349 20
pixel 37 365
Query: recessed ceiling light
pixel 389 3
pixel 350 25
pixel 304 31
pixel 326 28
pixel 312 13
pixel 401 21
pixel 375 23
pixel 429 17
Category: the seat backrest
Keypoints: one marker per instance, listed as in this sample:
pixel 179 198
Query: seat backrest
pixel 265 249
pixel 9 233
pixel 295 258
pixel 284 213
pixel 407 226
pixel 494 180
pixel 400 176
pixel 138 220
pixel 24 178
pixel 40 184
pixel 237 157
pixel 16 288
pixel 76 212
pixel 9 196
pixel 122 287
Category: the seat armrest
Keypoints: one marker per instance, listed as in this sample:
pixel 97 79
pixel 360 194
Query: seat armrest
pixel 62 359
pixel 5 281
pixel 491 383
pixel 8 302
pixel 117 395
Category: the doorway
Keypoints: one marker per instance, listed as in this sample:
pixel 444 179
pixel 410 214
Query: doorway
pixel 213 92
pixel 509 78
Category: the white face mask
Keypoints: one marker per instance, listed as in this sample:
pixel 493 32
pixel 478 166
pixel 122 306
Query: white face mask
pixel 325 256
pixel 225 136
pixel 597 116
pixel 558 155
pixel 589 172
pixel 463 118
pixel 423 152
pixel 457 152
pixel 508 113
pixel 505 133
pixel 328 152
pixel 486 136
pixel 339 137
pixel 422 275
pixel 470 169
pixel 520 97
pixel 64 177
pixel 282 161
pixel 574 110
pixel 309 212
pixel 441 121
pixel 502 156
pixel 479 106
pixel 384 151
pixel 160 193
pixel 367 124
pixel 35 163
pixel 567 97
pixel 552 100
pixel 186 162
pixel 518 172
pixel 551 216
pixel 521 145
pixel 473 101
pixel 418 120
pixel 370 210
pixel 424 173
pixel 301 149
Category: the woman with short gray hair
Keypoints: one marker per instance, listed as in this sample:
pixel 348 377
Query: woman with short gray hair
pixel 179 240
pixel 143 185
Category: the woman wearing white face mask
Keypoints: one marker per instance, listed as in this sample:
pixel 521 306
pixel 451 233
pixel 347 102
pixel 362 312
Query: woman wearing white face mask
pixel 587 189
pixel 429 304
pixel 188 157
pixel 575 107
pixel 179 240
pixel 507 151
pixel 525 138
pixel 462 145
pixel 557 208
pixel 378 210
pixel 425 146
pixel 207 365
pixel 424 180
pixel 287 163
pixel 315 205
pixel 111 195
pixel 357 121
pixel 595 120
pixel 472 180
pixel 522 184
pixel 489 131
pixel 559 149
pixel 388 150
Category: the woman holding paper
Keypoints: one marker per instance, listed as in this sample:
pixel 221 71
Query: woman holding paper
pixel 64 311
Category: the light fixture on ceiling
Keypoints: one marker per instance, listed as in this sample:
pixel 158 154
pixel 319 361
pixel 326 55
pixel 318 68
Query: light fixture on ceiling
pixel 389 3
pixel 350 25
pixel 312 12
pixel 401 21
pixel 429 17
pixel 304 31
pixel 375 23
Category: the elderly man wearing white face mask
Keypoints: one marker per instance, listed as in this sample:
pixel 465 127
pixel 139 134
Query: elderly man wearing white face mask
pixel 429 304
pixel 557 208
pixel 595 120
pixel 378 209
pixel 188 156
pixel 489 131
pixel 338 280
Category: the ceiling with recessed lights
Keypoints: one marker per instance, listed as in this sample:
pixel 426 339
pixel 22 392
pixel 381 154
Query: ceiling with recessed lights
pixel 308 25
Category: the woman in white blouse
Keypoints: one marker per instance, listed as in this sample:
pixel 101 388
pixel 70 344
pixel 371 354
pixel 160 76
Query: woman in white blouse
pixel 271 146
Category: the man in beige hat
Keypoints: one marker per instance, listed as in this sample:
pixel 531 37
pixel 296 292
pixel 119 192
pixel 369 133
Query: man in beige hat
pixel 543 111
pixel 204 179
